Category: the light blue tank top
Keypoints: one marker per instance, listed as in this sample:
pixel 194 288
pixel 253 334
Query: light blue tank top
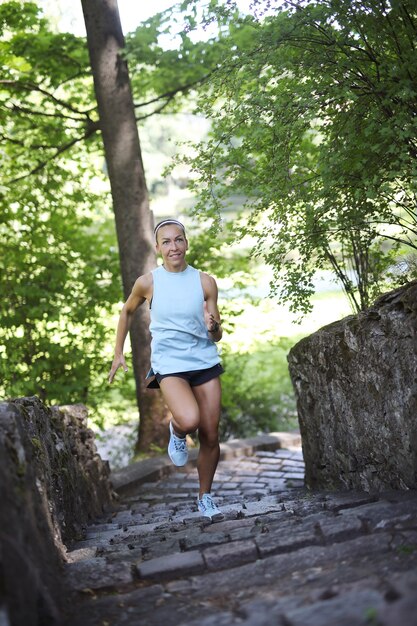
pixel 180 339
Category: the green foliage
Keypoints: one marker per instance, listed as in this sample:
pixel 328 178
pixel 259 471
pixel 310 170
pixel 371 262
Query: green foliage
pixel 313 111
pixel 168 63
pixel 371 616
pixel 257 392
pixel 60 277
pixel 213 253
pixel 59 265
pixel 407 549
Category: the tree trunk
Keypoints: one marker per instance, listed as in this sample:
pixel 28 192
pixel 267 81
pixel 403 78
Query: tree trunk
pixel 134 220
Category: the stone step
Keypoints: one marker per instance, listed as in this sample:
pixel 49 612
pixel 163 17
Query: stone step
pixel 183 583
pixel 255 535
pixel 281 555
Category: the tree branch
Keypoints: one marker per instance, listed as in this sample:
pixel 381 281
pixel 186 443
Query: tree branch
pixel 59 151
pixel 156 111
pixel 19 142
pixel 173 92
pixel 21 109
pixel 34 87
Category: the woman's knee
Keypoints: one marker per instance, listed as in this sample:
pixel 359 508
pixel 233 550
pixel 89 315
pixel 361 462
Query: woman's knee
pixel 209 436
pixel 187 422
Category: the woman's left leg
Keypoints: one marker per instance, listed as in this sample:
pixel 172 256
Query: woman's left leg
pixel 208 396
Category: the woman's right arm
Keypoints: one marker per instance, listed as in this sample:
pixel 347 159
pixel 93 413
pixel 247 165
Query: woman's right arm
pixel 140 292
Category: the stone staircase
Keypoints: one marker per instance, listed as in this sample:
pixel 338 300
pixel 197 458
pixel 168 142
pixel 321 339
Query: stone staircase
pixel 282 556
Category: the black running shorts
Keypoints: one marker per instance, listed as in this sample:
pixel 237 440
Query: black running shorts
pixel 195 377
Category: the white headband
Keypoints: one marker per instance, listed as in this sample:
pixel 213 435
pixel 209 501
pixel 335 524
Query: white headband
pixel 166 222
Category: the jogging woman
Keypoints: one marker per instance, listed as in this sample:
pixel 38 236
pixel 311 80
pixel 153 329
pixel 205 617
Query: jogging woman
pixel 185 326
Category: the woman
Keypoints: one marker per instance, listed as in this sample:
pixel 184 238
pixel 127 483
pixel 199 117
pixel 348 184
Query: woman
pixel 185 324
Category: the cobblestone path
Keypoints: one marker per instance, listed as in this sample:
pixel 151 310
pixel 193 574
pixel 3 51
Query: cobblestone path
pixel 282 556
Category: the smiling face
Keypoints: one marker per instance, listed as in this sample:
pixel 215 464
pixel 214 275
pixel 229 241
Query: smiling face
pixel 172 244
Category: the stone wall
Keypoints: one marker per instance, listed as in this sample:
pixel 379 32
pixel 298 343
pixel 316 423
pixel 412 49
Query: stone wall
pixel 52 482
pixel 356 387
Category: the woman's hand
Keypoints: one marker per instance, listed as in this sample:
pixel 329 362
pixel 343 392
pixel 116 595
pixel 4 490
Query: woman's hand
pixel 210 321
pixel 118 361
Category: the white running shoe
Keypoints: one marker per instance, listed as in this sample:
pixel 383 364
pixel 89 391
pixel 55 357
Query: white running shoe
pixel 207 508
pixel 177 448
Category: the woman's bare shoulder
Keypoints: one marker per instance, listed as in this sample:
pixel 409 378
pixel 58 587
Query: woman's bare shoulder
pixel 209 283
pixel 143 286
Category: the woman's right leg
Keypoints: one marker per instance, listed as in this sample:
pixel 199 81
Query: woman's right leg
pixel 182 404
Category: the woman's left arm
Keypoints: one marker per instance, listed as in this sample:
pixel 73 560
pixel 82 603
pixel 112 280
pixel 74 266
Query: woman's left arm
pixel 211 311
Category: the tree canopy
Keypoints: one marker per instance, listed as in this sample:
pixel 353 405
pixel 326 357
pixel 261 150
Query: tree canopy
pixel 60 260
pixel 57 253
pixel 313 111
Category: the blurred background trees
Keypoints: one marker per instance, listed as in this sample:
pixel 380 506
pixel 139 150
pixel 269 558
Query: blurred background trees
pixel 57 251
pixel 313 115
